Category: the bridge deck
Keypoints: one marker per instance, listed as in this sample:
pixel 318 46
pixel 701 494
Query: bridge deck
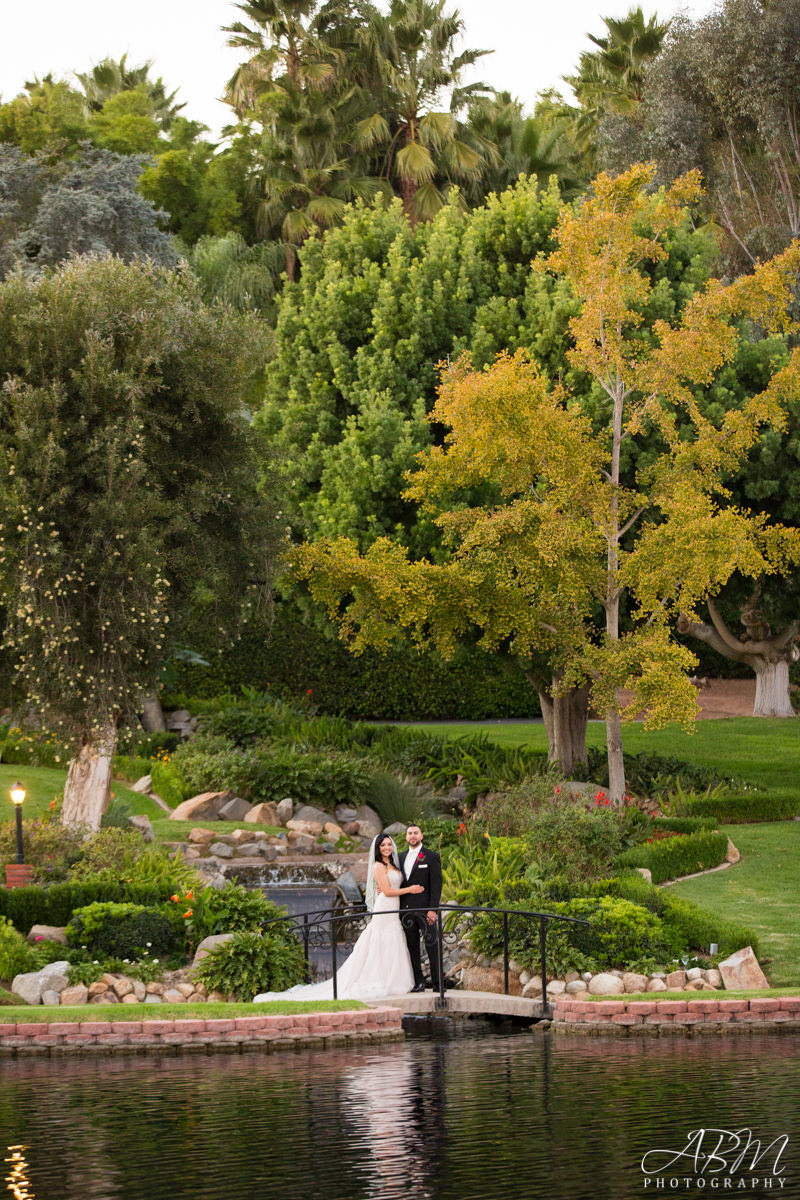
pixel 464 1002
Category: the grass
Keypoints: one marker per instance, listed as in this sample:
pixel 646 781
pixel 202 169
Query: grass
pixel 169 1012
pixel 165 830
pixel 761 891
pixel 721 994
pixel 43 784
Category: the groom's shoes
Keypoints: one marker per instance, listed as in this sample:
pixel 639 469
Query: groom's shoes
pixel 418 987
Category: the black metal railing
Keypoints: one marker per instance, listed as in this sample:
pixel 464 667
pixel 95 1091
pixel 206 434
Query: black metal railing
pixel 336 929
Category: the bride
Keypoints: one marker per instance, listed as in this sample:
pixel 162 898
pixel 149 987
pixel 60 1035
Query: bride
pixel 379 964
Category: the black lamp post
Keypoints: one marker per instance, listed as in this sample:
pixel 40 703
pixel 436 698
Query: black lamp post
pixel 18 796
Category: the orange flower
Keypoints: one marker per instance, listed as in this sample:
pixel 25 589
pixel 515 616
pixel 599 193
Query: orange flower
pixel 189 896
pixel 174 898
pixel 187 914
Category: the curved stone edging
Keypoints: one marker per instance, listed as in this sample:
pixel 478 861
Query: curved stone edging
pixel 709 870
pixel 280 1031
pixel 770 1014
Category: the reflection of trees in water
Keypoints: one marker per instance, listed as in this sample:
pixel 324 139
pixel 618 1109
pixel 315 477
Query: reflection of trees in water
pixel 527 1115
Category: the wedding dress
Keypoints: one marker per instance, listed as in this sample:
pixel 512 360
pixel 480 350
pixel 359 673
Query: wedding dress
pixel 378 966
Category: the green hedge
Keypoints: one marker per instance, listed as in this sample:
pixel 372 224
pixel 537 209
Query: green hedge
pixel 54 905
pixel 740 810
pixel 696 926
pixel 681 854
pixel 403 684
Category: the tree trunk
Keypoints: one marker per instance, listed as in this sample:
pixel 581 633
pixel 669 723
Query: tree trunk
pixel 772 689
pixel 616 761
pixel 565 716
pixel 153 714
pixel 87 791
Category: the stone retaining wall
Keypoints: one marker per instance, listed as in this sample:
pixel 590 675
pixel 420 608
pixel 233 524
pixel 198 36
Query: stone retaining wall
pixel 778 1014
pixel 274 1032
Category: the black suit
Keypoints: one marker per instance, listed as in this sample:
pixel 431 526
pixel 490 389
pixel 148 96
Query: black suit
pixel 426 871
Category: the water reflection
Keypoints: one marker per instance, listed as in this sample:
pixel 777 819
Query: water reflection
pixel 471 1118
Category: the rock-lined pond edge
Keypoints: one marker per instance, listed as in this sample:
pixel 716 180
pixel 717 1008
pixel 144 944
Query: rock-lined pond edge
pixel 656 1018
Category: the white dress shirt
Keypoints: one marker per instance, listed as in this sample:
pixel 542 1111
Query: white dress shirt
pixel 411 858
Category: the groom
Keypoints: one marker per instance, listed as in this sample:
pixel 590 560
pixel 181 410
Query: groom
pixel 424 867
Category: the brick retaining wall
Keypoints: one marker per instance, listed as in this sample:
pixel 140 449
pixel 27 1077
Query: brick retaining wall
pixel 764 1014
pixel 268 1032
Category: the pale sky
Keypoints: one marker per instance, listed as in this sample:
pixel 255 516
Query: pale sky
pixel 534 43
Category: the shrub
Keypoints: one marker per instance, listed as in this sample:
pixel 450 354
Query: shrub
pixel 156 867
pixel 124 930
pixel 394 800
pixel 231 909
pixel 567 839
pixel 32 747
pixel 110 851
pixel 739 809
pixel 16 955
pixel 54 905
pixel 251 963
pixel 117 815
pixel 169 783
pixel 129 768
pixel 49 847
pixel 620 932
pixel 669 855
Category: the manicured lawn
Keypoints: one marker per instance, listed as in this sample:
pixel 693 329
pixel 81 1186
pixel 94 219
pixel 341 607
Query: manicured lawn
pixel 168 1012
pixel 43 784
pixel 166 830
pixel 761 891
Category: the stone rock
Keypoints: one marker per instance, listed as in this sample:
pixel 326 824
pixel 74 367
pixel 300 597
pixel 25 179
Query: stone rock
pixel 571 976
pixel 333 829
pixel 30 985
pixel 346 812
pixel 221 850
pixel 173 996
pixel 556 987
pixel 208 944
pixel 251 849
pixel 235 810
pixel 657 985
pixel 237 836
pixel 713 977
pixel 78 993
pixel 369 823
pixel 185 989
pixel 676 981
pixel 152 998
pixel 48 933
pixel 634 982
pixel 346 883
pixel 201 837
pixel 193 852
pixel 143 785
pixel 263 814
pixel 122 987
pixel 694 973
pixel 155 989
pixel 533 987
pixel 51 997
pixel 576 987
pixel 645 873
pixel 395 829
pixel 304 843
pixel 732 856
pixel 130 998
pixel 488 979
pixel 216 998
pixel 313 828
pixel 350 828
pixel 284 810
pixel 139 989
pixel 524 977
pixel 107 997
pixel 307 812
pixel 205 806
pixel 141 822
pixel 606 984
pixel 739 970
pixel 98 988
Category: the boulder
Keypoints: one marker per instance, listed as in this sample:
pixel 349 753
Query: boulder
pixel 303 843
pixel 201 837
pixel 237 836
pixel 533 987
pixel 732 855
pixel 250 849
pixel 313 828
pixel 77 994
pixel 143 785
pixel 263 814
pixel 51 997
pixel 235 809
pixel 155 988
pixel 369 823
pixel 676 981
pixel 350 828
pixel 634 982
pixel 739 970
pixel 30 985
pixel 204 806
pixel 556 987
pixel 130 998
pixel 606 984
pixel 694 973
pixel 308 813
pixel 141 822
pixel 396 828
pixel 576 987
pixel 122 988
pixel 48 933
pixel 346 812
pixel 152 998
pixel 656 985
pixel 107 997
pixel 645 873
pixel 139 990
pixel 284 810
pixel 346 883
pixel 207 945
pixel 221 850
pixel 173 996
pixel 488 979
pixel 98 988
pixel 713 977
pixel 333 830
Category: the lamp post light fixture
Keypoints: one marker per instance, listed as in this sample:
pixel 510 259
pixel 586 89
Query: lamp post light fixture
pixel 18 797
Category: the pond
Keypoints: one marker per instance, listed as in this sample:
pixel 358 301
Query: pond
pixel 460 1111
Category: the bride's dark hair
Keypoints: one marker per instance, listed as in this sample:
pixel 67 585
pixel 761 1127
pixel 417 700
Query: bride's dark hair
pixel 378 843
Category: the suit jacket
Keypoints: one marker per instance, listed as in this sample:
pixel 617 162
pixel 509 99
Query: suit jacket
pixel 427 871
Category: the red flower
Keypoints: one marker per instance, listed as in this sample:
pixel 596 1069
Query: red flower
pixel 174 898
pixel 187 914
pixel 462 828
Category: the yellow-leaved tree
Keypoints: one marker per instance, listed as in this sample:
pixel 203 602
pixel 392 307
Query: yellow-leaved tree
pixel 562 545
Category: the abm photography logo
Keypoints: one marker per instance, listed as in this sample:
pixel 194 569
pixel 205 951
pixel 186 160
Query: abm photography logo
pixel 718 1160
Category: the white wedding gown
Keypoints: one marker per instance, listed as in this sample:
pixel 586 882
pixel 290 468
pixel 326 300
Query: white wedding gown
pixel 378 966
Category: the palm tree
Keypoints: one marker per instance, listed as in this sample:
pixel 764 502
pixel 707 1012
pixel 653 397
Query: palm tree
pixel 423 148
pixel 537 146
pixel 109 77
